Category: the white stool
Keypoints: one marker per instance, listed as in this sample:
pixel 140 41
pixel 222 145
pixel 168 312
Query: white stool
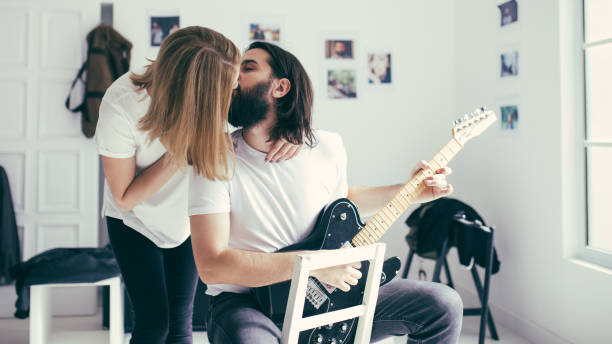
pixel 304 263
pixel 40 309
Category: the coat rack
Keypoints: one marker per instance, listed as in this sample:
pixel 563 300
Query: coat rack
pixel 106 13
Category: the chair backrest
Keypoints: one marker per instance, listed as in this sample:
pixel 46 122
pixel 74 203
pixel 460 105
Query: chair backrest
pixel 304 263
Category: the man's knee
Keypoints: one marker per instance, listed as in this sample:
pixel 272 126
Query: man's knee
pixel 243 334
pixel 449 305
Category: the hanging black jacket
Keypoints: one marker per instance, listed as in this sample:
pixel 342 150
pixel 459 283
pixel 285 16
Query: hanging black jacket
pixel 434 221
pixel 9 239
pixel 62 265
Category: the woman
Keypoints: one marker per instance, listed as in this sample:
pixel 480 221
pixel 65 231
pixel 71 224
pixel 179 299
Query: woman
pixel 150 125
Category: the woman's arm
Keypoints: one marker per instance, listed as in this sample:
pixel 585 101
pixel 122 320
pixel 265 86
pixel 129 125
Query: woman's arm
pixel 129 189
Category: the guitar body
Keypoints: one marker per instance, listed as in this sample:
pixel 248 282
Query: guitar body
pixel 336 226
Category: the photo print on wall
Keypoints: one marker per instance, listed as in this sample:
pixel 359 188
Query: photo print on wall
pixel 339 49
pixel 509 116
pixel 509 64
pixel 262 28
pixel 161 27
pixel 508 12
pixel 341 83
pixel 264 32
pixel 379 68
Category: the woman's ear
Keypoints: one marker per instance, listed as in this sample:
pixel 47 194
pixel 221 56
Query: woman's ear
pixel 282 88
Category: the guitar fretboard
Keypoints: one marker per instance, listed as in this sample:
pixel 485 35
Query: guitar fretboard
pixel 382 221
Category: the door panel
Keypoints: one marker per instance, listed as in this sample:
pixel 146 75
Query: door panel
pixel 52 168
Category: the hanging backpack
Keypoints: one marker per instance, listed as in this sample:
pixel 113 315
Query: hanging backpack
pixel 108 57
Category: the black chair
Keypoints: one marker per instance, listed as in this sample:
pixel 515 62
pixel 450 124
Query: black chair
pixel 483 290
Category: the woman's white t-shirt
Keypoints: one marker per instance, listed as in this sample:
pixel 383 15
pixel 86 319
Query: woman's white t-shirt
pixel 162 218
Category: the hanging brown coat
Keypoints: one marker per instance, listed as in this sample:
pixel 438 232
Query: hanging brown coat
pixel 108 57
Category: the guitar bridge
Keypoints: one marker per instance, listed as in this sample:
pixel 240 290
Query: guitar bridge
pixel 314 294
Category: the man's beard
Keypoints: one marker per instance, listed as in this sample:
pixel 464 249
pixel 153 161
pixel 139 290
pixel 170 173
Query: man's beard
pixel 249 106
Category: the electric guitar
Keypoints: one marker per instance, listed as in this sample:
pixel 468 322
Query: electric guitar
pixel 339 225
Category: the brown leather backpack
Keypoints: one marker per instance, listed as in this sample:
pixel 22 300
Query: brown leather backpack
pixel 108 57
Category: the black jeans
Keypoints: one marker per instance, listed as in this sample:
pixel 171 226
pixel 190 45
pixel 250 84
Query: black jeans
pixel 161 284
pixel 427 312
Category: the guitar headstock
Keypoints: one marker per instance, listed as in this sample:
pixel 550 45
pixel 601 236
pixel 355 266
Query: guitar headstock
pixel 473 124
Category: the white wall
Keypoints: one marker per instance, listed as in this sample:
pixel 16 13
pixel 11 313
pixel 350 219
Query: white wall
pixel 445 60
pixel 520 181
pixel 385 132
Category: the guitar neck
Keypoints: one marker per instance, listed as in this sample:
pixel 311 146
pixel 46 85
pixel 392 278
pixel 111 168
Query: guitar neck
pixel 382 221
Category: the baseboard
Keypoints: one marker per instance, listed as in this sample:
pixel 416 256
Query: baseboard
pixel 505 319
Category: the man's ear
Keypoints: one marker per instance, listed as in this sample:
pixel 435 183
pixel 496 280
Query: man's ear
pixel 281 88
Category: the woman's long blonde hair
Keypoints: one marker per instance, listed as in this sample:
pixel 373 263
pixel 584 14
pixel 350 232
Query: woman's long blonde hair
pixel 190 85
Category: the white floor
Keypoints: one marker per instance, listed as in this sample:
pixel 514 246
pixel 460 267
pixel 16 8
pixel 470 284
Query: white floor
pixel 87 330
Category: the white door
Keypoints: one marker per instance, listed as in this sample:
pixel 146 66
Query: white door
pixel 52 168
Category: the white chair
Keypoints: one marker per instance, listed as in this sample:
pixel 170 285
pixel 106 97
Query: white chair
pixel 40 310
pixel 304 263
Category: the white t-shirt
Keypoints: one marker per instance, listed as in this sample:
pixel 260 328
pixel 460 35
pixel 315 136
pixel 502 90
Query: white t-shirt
pixel 162 218
pixel 272 205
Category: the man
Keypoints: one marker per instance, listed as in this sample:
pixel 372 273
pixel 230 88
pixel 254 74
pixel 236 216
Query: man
pixel 237 225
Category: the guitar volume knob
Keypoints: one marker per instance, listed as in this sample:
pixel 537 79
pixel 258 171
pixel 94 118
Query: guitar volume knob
pixel 344 327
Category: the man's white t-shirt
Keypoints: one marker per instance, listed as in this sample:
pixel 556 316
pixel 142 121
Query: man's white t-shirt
pixel 272 205
pixel 162 218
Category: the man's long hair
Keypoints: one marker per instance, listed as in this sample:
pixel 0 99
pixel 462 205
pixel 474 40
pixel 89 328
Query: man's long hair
pixel 294 110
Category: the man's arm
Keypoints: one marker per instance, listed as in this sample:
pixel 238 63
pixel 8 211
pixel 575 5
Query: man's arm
pixel 370 199
pixel 219 264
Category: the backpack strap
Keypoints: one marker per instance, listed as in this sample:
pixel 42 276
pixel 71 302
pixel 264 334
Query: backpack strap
pixel 78 77
pixel 88 94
